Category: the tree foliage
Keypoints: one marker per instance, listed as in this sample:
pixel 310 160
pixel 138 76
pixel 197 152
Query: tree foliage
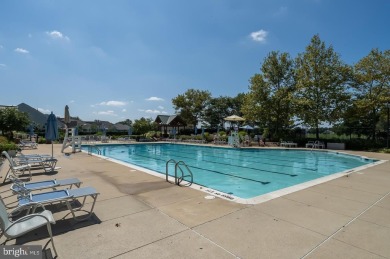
pixel 222 107
pixel 127 122
pixel 314 89
pixel 269 101
pixel 143 125
pixel 191 105
pixel 217 109
pixel 322 81
pixel 372 87
pixel 12 119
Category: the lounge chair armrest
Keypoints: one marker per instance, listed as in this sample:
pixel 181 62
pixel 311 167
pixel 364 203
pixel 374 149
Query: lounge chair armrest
pixel 27 217
pixel 27 206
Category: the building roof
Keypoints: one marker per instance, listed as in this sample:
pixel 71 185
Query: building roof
pixel 121 127
pixel 170 120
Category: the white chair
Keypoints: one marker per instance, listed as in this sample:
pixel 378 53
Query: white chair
pixel 13 229
pixel 28 144
pixel 319 144
pixel 14 168
pixel 46 162
pixel 309 144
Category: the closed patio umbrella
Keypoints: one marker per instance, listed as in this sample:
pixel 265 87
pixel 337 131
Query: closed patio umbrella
pixel 66 116
pixel 51 132
pixel 31 130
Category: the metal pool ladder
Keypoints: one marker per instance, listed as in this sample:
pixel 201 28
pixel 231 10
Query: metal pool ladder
pixel 179 166
pixel 91 147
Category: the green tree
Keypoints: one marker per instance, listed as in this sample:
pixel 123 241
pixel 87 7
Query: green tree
pixel 372 86
pixel 143 125
pixel 322 80
pixel 237 103
pixel 127 122
pixel 12 119
pixel 191 105
pixel 269 101
pixel 217 109
pixel 222 107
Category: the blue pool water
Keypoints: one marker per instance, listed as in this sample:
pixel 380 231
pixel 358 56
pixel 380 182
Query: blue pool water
pixel 244 173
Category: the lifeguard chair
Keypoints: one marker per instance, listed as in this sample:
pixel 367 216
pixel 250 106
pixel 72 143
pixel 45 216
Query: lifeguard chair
pixel 71 139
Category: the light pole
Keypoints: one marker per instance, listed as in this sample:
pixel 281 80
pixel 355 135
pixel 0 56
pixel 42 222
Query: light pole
pixel 388 123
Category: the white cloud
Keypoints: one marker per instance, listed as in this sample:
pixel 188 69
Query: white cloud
pixel 163 112
pixel 57 35
pixel 124 110
pixel 153 98
pixel 20 50
pixel 152 111
pixel 113 103
pixel 110 113
pixel 259 36
pixel 71 101
pixel 44 111
pixel 160 107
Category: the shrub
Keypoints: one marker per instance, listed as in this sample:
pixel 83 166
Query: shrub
pixel 3 140
pixel 8 146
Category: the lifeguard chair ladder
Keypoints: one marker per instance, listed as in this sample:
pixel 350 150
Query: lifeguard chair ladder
pixel 70 139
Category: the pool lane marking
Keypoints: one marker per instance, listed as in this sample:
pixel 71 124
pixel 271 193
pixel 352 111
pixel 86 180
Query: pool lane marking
pixel 309 169
pixel 326 158
pixel 313 163
pixel 246 167
pixel 232 175
pixel 213 171
pixel 253 168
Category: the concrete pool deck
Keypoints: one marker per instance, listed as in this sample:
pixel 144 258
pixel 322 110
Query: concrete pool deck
pixel 141 216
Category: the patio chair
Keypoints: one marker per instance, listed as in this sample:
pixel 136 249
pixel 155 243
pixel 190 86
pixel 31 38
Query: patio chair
pixel 46 162
pixel 319 144
pixel 292 144
pixel 26 198
pixel 13 229
pixel 283 144
pixel 14 168
pixel 28 144
pixel 19 185
pixel 309 144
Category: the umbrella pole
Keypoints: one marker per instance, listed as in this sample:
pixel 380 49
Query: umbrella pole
pixel 52 149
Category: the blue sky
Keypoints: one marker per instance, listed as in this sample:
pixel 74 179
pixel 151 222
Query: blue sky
pixel 117 60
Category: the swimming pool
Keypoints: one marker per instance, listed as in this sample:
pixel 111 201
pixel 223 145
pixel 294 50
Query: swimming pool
pixel 238 173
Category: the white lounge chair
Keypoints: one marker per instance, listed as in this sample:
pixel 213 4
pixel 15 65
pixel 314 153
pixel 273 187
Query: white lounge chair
pixel 19 185
pixel 28 144
pixel 46 162
pixel 14 168
pixel 26 198
pixel 13 229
